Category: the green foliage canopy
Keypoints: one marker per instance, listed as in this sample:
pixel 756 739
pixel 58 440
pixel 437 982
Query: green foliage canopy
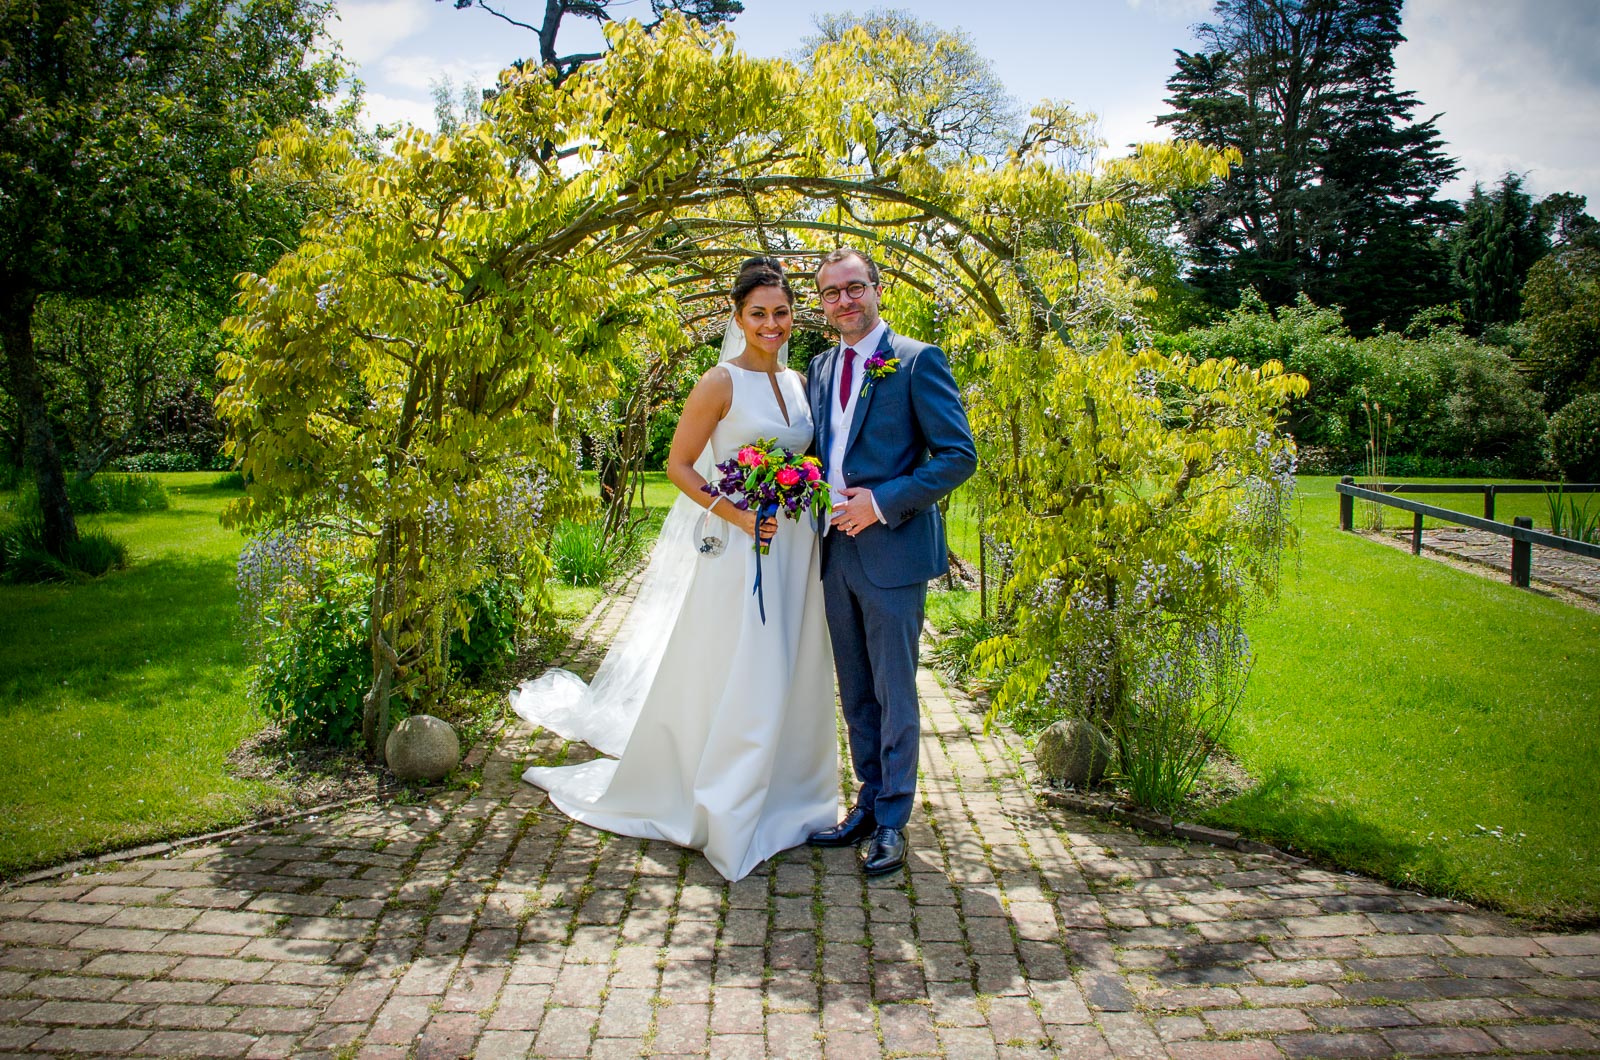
pixel 1561 311
pixel 1498 240
pixel 1455 401
pixel 121 125
pixel 447 318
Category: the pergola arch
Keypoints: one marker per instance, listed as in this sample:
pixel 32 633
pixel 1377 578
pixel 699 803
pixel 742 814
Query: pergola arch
pixel 699 265
pixel 456 305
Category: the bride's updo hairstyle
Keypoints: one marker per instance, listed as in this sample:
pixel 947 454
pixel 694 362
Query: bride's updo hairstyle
pixel 759 272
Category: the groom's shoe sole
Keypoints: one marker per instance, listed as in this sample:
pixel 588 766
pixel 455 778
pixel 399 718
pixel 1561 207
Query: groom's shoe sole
pixel 886 853
pixel 856 826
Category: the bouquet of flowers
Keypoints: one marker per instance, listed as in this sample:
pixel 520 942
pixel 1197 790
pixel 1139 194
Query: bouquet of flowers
pixel 771 480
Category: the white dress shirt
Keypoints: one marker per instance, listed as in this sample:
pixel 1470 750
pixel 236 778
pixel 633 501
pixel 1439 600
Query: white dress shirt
pixel 839 424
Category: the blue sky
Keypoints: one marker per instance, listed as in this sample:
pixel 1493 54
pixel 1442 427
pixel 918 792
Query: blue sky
pixel 1516 81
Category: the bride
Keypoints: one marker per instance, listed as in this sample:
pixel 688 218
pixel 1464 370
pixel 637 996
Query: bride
pixel 722 723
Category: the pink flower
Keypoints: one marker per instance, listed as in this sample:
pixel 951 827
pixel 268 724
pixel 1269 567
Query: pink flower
pixel 788 477
pixel 750 456
pixel 813 472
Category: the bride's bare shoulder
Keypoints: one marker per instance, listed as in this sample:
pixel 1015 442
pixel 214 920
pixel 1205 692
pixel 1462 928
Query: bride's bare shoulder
pixel 714 390
pixel 718 379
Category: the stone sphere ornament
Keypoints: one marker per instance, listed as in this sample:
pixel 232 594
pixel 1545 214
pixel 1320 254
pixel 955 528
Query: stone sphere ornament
pixel 422 747
pixel 1073 752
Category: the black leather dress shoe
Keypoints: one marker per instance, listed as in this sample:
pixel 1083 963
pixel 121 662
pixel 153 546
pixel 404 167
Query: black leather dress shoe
pixel 856 826
pixel 886 852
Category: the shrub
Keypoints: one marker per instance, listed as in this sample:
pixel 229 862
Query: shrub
pixel 1184 690
pixel 117 493
pixel 1140 528
pixel 23 557
pixel 952 653
pixel 103 493
pixel 1459 406
pixel 1490 413
pixel 1575 439
pixel 314 662
pixel 173 461
pixel 229 480
pixel 493 613
pixel 306 598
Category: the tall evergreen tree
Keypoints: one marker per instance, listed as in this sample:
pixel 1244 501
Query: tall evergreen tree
pixel 1336 194
pixel 1498 240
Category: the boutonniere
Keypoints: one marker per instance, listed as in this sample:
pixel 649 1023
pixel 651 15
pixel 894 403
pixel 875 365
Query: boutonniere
pixel 878 367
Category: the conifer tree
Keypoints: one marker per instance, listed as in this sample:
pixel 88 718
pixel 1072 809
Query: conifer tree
pixel 1336 196
pixel 1497 242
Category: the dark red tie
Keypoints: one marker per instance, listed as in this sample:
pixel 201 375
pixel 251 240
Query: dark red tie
pixel 847 378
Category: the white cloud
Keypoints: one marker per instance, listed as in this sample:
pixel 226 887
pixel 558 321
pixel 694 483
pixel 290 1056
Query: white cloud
pixel 379 109
pixel 369 28
pixel 1517 86
pixel 419 72
pixel 1192 9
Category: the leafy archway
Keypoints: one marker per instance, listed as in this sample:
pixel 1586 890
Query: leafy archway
pixel 408 383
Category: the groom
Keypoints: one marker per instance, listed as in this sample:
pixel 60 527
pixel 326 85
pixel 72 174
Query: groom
pixel 894 441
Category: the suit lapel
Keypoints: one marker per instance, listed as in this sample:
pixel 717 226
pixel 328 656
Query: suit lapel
pixel 865 399
pixel 822 388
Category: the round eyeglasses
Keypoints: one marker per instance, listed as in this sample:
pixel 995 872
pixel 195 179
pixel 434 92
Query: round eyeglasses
pixel 854 290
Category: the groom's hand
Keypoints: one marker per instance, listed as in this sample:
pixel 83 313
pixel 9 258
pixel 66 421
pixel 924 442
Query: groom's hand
pixel 856 512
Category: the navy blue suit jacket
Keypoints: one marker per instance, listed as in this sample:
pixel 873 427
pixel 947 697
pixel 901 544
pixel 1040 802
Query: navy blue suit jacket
pixel 909 444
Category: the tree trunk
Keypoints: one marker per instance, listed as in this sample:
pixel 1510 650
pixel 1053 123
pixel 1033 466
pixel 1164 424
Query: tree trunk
pixel 375 705
pixel 16 335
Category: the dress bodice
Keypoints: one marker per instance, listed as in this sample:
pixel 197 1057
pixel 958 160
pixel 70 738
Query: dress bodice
pixel 753 414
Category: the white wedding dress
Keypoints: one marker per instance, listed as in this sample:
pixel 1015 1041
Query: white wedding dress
pixel 727 744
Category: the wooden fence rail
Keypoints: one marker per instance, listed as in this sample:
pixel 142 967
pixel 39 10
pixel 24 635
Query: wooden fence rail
pixel 1520 531
pixel 1490 490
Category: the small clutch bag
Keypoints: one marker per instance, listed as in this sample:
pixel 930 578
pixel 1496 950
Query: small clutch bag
pixel 705 542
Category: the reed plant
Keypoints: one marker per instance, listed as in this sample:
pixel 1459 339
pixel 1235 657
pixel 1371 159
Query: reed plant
pixel 579 553
pixel 1380 428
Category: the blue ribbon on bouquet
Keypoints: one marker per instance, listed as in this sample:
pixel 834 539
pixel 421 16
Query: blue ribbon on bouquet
pixel 763 512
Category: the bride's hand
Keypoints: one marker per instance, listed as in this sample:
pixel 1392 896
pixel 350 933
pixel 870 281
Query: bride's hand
pixel 747 523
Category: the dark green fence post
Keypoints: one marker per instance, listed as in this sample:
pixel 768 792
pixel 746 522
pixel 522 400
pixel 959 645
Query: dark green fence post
pixel 1416 534
pixel 1521 555
pixel 1347 506
pixel 1488 501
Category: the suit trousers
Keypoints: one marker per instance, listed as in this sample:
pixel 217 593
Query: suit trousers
pixel 875 634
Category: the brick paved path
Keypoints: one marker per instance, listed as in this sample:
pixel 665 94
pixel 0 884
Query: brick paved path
pixel 486 925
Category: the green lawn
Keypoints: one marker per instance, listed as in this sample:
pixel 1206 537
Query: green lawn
pixel 1424 724
pixel 121 698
